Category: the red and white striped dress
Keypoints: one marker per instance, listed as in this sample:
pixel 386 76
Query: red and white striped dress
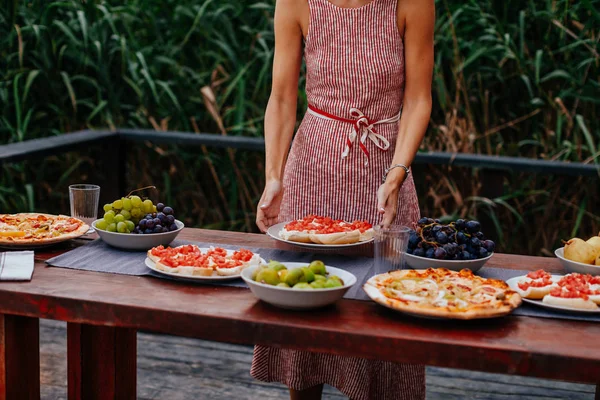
pixel 354 71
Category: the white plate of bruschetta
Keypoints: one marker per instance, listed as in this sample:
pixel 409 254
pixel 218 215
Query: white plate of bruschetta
pixel 322 232
pixel 191 262
pixel 572 292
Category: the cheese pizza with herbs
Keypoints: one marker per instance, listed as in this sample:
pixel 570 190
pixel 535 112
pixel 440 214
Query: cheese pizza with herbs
pixel 326 230
pixel 443 293
pixel 579 291
pixel 33 228
pixel 191 260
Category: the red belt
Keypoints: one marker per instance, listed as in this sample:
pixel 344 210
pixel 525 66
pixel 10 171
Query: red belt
pixel 363 127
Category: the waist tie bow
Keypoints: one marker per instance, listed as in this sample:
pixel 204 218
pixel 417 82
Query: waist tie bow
pixel 363 127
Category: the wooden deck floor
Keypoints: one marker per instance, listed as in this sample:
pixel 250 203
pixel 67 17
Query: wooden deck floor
pixel 180 369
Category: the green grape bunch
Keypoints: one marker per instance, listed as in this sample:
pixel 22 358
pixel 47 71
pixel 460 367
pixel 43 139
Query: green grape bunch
pixel 131 214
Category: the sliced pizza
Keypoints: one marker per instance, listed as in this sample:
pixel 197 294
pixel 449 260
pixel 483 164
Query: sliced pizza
pixel 38 229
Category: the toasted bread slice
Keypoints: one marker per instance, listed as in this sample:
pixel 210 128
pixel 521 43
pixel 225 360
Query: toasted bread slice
pixel 573 303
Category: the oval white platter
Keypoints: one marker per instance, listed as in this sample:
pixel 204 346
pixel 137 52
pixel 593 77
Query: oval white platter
pixel 274 230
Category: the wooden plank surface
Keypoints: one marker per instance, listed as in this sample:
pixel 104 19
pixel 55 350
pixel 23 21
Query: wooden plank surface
pixel 178 368
pixel 19 358
pixel 516 345
pixel 101 357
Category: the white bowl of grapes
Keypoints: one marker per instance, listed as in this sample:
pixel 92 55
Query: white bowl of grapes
pixel 131 223
pixel 457 245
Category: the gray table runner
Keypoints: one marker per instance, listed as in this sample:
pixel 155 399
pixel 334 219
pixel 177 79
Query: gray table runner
pixel 97 256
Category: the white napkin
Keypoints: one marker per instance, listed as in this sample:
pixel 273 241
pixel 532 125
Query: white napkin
pixel 16 266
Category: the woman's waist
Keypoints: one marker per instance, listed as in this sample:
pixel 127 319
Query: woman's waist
pixel 352 110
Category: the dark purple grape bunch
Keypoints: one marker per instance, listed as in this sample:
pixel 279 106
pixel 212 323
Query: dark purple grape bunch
pixel 458 240
pixel 161 221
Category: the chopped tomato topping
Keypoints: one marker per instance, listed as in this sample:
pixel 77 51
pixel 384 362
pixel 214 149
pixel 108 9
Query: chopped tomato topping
pixel 218 251
pixel 326 225
pixel 576 286
pixel 243 255
pixel 192 256
pixel 569 293
pixel 539 274
pixel 540 278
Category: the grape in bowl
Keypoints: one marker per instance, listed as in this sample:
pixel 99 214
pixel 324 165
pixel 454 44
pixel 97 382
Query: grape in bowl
pixel 135 241
pixel 457 245
pixel 134 223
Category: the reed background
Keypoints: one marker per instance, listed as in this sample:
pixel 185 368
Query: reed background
pixel 516 78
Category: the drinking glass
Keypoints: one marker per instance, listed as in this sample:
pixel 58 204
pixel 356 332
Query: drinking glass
pixel 84 201
pixel 390 247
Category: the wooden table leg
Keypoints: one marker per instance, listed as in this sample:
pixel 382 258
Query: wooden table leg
pixel 19 358
pixel 101 362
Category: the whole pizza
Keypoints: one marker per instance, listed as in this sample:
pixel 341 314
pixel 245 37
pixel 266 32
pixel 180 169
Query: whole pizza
pixel 192 260
pixel 38 229
pixel 442 293
pixel 326 230
pixel 579 291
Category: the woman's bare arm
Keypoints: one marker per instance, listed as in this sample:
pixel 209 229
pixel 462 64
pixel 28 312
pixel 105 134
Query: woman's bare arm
pixel 416 18
pixel 280 116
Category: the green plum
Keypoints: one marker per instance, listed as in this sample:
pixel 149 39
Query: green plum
pixel 268 276
pixel 332 283
pixel 319 277
pixel 283 273
pixel 318 267
pixel 337 278
pixel 302 285
pixel 276 265
pixel 283 284
pixel 318 284
pixel 256 271
pixel 307 275
pixel 293 276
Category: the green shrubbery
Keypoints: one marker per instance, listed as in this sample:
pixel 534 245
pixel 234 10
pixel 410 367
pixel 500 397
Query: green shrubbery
pixel 516 78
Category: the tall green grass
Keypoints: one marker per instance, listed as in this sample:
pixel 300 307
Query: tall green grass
pixel 517 78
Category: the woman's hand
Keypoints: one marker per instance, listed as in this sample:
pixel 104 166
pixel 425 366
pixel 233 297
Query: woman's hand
pixel 269 204
pixel 387 202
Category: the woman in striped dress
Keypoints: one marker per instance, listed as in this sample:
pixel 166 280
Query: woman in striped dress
pixel 366 60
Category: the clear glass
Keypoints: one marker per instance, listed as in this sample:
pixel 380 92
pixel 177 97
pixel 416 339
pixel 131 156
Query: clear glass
pixel 390 247
pixel 84 201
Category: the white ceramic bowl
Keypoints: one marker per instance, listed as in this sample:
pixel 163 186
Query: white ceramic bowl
pixel 299 299
pixel 574 266
pixel 131 241
pixel 416 262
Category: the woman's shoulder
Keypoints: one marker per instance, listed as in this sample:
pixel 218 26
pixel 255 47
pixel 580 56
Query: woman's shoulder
pixel 293 4
pixel 408 10
pixel 297 10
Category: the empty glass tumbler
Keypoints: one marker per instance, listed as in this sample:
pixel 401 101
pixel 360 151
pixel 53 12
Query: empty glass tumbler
pixel 84 201
pixel 390 247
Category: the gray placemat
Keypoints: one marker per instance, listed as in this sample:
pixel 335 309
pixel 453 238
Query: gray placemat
pixel 99 257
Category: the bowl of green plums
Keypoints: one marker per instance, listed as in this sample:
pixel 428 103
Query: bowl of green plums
pixel 298 286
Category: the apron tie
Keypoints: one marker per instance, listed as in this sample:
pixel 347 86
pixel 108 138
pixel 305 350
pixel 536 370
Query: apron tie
pixel 363 128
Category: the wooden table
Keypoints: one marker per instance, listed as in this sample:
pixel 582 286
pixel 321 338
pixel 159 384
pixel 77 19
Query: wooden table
pixel 104 312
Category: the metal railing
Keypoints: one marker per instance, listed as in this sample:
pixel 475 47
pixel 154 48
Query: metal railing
pixel 73 141
pixel 114 142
